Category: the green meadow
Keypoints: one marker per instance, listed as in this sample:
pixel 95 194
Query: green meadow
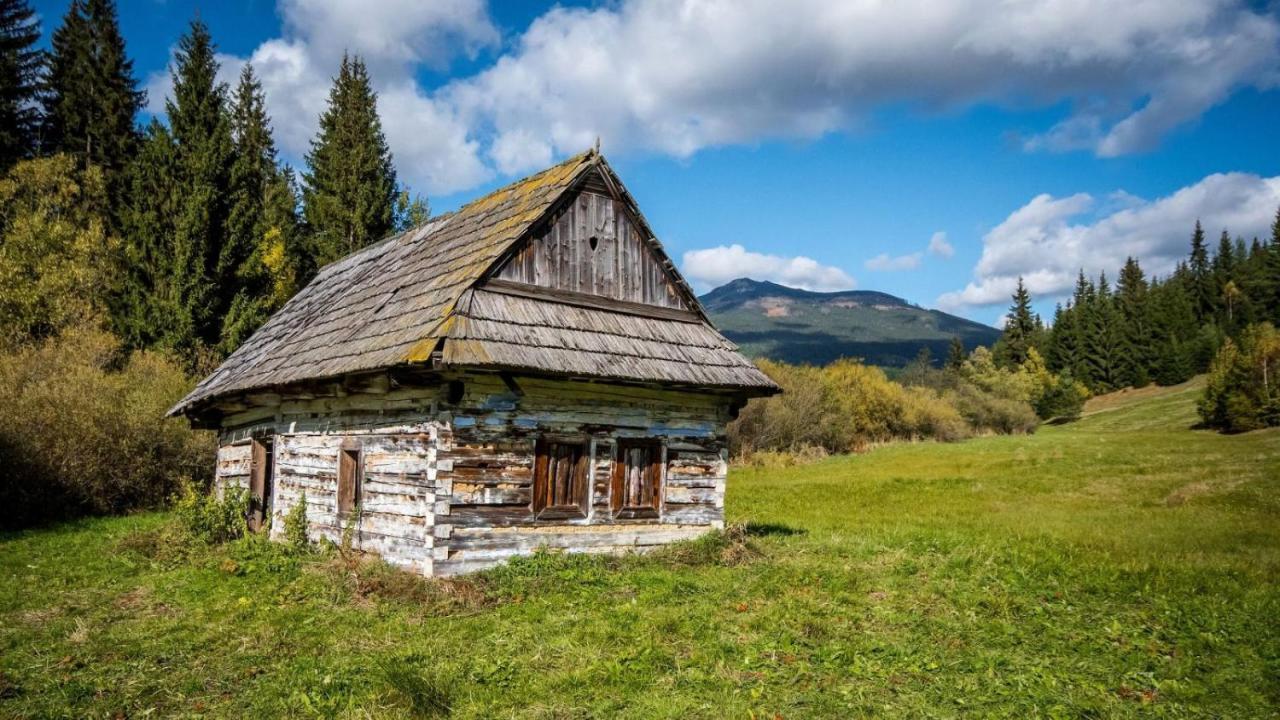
pixel 1125 565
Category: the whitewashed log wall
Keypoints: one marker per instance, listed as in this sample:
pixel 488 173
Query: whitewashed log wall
pixel 233 466
pixel 485 460
pixel 447 488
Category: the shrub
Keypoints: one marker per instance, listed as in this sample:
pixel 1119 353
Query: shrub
pixel 1062 399
pixel 295 525
pixel 84 431
pixel 988 412
pixel 788 422
pixel 926 414
pixel 1242 392
pixel 848 406
pixel 213 517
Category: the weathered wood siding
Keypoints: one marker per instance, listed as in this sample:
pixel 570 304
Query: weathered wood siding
pixel 397 481
pixel 485 457
pixel 233 466
pixel 447 488
pixel 621 266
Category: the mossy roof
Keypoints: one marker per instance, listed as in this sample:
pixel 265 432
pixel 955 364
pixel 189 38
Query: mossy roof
pixel 395 302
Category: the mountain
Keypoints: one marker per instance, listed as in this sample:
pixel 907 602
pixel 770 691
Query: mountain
pixel 798 326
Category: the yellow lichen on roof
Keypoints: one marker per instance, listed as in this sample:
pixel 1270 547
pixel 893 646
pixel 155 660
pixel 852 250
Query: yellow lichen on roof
pixel 385 304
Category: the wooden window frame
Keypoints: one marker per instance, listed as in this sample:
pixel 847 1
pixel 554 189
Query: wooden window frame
pixel 350 480
pixel 544 505
pixel 653 474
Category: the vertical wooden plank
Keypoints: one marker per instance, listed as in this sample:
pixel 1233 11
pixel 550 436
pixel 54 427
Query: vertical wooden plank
pixel 258 469
pixel 624 264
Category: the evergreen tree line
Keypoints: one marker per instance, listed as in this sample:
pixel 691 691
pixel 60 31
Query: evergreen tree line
pixel 209 232
pixel 1162 330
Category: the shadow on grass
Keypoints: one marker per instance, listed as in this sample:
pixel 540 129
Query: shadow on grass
pixel 767 529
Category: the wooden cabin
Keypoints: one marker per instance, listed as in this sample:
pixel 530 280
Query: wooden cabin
pixel 528 371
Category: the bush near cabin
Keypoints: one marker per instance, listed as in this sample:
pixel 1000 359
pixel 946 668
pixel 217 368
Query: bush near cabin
pixel 84 430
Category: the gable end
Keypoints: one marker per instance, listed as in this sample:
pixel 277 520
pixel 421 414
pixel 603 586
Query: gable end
pixel 595 246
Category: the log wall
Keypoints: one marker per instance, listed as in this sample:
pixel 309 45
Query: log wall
pixel 447 487
pixel 397 490
pixel 486 452
pixel 233 465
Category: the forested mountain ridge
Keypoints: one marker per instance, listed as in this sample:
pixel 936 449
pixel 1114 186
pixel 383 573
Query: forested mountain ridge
pixel 801 326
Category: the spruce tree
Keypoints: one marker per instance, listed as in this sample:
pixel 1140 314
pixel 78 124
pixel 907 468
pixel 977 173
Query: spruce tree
pixel 1269 288
pixel 1223 270
pixel 20 64
pixel 1102 339
pixel 1136 338
pixel 1021 329
pixel 349 191
pixel 92 97
pixel 1174 327
pixel 1060 350
pixel 201 128
pixel 956 354
pixel 1202 292
pixel 262 221
pixel 139 312
pixel 1076 330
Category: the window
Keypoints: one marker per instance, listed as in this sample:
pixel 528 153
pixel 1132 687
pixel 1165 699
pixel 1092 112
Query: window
pixel 348 481
pixel 560 479
pixel 637 479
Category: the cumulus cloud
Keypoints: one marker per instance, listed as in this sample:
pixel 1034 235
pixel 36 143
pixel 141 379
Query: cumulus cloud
pixel 676 76
pixel 1048 240
pixel 885 263
pixel 680 76
pixel 716 266
pixel 939 246
pixel 433 147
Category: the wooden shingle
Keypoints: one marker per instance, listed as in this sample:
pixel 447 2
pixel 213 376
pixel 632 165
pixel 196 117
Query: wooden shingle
pixel 394 302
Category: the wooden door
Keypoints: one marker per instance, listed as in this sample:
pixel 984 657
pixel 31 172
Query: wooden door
pixel 259 482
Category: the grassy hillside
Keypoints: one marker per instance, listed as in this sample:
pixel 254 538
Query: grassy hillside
pixel 798 326
pixel 1121 566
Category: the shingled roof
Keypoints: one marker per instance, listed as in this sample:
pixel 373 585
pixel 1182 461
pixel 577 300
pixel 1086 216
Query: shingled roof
pixel 396 302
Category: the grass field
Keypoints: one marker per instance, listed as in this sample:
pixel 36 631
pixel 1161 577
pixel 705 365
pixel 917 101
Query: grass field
pixel 1121 566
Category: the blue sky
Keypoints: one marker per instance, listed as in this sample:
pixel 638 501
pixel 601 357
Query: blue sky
pixel 824 147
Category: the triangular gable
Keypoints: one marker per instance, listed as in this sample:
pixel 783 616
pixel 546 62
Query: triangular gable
pixel 595 243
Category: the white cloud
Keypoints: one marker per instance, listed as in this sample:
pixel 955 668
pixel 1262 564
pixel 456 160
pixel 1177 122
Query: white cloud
pixel 433 149
pixel 716 266
pixel 1048 240
pixel 676 76
pixel 390 33
pixel 939 246
pixel 885 263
